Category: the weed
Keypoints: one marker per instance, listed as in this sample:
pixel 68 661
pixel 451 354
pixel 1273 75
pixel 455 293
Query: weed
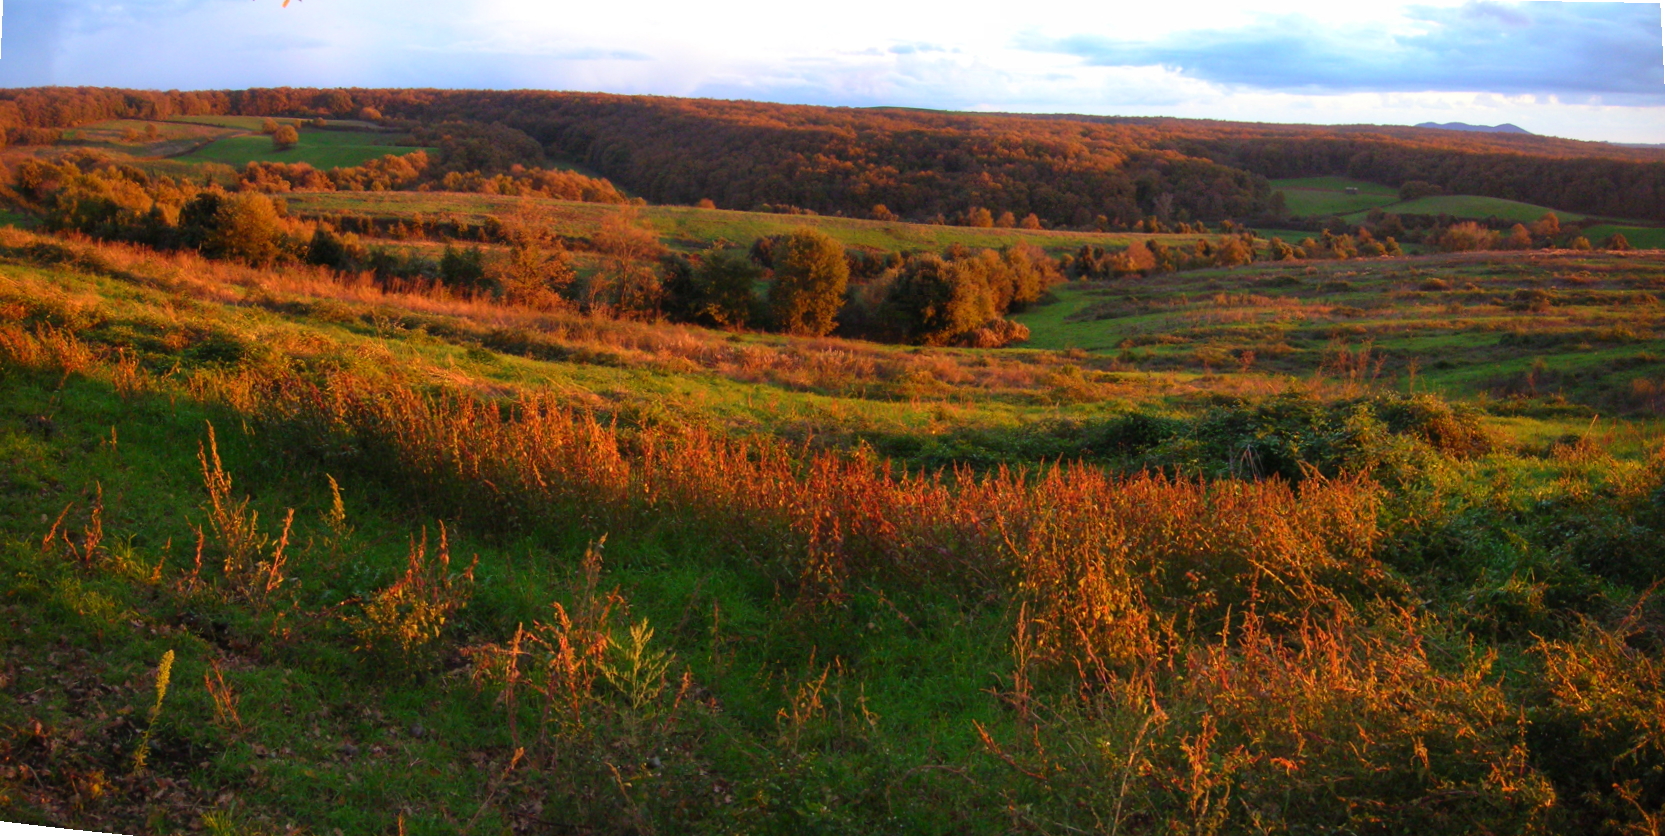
pixel 164 673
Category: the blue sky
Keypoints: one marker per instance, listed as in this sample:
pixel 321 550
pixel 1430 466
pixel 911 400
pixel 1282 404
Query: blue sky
pixel 1583 70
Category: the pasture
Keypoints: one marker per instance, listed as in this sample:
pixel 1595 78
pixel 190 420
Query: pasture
pixel 1471 206
pixel 323 149
pixel 686 228
pixel 1312 197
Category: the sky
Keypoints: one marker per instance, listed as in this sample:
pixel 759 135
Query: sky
pixel 1582 70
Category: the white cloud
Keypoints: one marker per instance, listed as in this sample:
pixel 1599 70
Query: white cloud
pixel 977 55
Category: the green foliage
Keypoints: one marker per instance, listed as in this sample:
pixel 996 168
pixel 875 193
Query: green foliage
pixel 719 290
pixel 462 267
pixel 285 138
pixel 810 277
pixel 939 300
pixel 248 228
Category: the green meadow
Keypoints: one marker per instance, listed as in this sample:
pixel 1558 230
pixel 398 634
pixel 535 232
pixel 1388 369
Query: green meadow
pixel 323 149
pixel 1472 206
pixel 1327 196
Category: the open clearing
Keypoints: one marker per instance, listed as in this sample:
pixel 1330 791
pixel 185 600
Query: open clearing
pixel 1472 206
pixel 1309 197
pixel 323 149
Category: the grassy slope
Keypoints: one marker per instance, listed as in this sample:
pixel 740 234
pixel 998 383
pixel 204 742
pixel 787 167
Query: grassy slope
pixel 1460 319
pixel 1326 196
pixel 1472 206
pixel 688 228
pixel 303 706
pixel 324 149
pixel 858 720
pixel 1642 238
pixel 172 138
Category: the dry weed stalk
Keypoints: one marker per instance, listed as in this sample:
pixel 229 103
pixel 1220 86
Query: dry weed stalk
pixel 410 615
pixel 225 699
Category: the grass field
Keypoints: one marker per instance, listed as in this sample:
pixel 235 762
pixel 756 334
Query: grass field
pixel 239 123
pixel 687 228
pixel 1640 237
pixel 171 138
pixel 324 149
pixel 423 564
pixel 1464 325
pixel 1472 206
pixel 1326 196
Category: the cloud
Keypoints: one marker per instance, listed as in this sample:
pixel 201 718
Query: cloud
pixel 1578 50
pixel 1551 67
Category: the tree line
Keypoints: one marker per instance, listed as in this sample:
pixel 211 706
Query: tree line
pixel 1066 171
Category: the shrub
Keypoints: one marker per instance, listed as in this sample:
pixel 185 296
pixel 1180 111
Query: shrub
pixel 285 138
pixel 720 290
pixel 1467 237
pixel 1414 189
pixel 810 277
pixel 402 620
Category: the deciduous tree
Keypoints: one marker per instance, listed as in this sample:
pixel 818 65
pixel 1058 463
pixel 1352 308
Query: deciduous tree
pixel 810 278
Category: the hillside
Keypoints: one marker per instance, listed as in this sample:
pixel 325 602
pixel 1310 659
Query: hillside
pixel 1066 170
pixel 1212 538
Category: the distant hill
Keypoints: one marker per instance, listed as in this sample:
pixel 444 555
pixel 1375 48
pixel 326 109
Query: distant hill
pixel 1084 172
pixel 1504 128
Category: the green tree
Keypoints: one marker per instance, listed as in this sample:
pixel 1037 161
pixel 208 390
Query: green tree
pixel 1414 189
pixel 722 289
pixel 247 227
pixel 537 266
pixel 327 249
pixel 465 268
pixel 936 300
pixel 810 277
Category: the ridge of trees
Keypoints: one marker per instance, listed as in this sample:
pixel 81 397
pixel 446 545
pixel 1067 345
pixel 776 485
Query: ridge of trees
pixel 1077 171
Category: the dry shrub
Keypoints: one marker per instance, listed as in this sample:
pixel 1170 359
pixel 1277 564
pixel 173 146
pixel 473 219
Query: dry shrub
pixel 587 670
pixel 1604 726
pixel 1115 569
pixel 236 531
pixel 1331 723
pixel 407 617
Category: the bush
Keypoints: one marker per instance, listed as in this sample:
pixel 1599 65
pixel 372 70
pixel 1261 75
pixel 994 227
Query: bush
pixel 810 278
pixel 248 228
pixel 1467 236
pixel 285 138
pixel 1418 188
pixel 719 291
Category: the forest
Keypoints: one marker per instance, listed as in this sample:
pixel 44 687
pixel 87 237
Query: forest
pixel 1079 172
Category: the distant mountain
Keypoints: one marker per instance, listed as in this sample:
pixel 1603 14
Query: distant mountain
pixel 1504 128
